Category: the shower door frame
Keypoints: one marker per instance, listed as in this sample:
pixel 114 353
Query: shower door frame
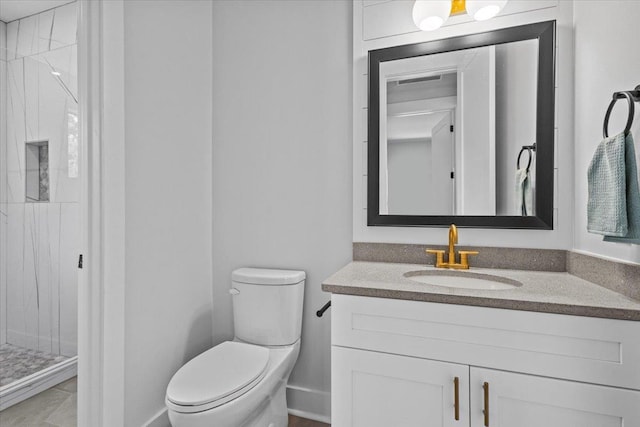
pixel 101 278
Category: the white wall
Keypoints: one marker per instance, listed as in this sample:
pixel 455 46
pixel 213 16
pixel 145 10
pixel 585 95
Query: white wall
pixel 605 62
pixel 167 78
pixel 475 150
pixel 410 177
pixel 282 160
pixel 384 24
pixel 516 76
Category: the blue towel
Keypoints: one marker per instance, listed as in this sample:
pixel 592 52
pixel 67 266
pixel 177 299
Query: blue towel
pixel 633 196
pixel 613 209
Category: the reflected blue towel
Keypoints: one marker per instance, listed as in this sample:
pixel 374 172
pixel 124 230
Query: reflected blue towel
pixel 613 208
pixel 524 193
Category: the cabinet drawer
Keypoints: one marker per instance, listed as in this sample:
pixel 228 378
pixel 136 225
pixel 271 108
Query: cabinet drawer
pixel 599 351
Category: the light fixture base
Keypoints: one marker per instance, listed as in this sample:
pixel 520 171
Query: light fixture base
pixel 458 7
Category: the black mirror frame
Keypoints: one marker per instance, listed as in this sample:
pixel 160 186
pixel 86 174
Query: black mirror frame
pixel 545 33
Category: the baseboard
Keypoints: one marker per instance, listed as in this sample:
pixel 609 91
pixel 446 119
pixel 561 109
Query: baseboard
pixel 161 419
pixel 308 403
pixel 26 387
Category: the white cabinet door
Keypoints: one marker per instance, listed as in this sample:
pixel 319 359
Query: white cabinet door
pixel 372 389
pixel 517 400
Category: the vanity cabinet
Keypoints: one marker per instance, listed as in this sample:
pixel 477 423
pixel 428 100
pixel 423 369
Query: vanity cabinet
pixel 395 363
pixel 517 400
pixel 382 390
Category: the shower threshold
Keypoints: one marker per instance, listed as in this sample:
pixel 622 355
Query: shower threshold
pixel 25 373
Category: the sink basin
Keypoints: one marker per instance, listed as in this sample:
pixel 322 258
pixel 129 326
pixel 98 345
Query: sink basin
pixel 457 279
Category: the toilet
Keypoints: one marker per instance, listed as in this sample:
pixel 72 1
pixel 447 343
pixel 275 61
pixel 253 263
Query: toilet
pixel 242 383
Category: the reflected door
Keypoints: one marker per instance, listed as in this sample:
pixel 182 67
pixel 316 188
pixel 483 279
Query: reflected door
pixel 442 147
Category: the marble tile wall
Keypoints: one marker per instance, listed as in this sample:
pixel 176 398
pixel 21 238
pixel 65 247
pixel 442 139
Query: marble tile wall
pixel 40 240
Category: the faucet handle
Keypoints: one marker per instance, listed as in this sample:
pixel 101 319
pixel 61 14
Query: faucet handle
pixel 435 251
pixel 439 253
pixel 464 257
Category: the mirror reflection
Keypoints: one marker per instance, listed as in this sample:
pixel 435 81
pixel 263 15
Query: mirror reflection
pixel 452 130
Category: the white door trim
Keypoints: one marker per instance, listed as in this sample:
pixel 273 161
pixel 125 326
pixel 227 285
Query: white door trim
pixel 101 281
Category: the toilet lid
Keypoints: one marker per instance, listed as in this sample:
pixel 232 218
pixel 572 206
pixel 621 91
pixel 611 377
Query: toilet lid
pixel 224 370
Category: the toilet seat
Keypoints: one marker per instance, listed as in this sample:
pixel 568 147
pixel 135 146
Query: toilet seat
pixel 217 376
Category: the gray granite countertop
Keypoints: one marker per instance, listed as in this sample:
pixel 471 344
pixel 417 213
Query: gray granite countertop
pixel 549 292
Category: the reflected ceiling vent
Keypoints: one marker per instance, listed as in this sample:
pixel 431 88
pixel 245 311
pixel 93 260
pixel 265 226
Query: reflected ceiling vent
pixel 420 79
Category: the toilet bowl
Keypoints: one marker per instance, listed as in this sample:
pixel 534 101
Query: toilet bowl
pixel 260 403
pixel 242 383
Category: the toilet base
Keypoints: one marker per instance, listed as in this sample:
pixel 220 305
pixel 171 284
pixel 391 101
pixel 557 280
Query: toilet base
pixel 274 413
pixel 263 406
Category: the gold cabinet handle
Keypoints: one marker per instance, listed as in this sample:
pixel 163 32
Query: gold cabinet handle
pixel 485 386
pixel 456 398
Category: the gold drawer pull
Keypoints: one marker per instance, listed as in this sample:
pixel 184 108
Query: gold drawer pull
pixel 456 398
pixel 485 386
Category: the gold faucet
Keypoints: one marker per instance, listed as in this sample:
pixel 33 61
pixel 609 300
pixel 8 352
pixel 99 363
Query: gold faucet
pixel 451 262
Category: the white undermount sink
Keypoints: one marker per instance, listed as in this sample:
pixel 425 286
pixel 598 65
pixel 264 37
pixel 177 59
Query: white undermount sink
pixel 462 280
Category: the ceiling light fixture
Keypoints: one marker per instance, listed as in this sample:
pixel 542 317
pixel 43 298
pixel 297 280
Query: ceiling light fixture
pixel 429 15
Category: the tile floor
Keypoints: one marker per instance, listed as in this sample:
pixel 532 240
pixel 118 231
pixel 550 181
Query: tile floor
pixel 55 407
pixel 303 422
pixel 18 362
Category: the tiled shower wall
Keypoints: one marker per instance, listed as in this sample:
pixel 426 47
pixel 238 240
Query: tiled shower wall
pixel 39 240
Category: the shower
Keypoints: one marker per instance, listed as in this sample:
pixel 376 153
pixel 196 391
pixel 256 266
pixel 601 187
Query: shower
pixel 39 202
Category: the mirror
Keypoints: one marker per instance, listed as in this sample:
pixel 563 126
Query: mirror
pixel 461 131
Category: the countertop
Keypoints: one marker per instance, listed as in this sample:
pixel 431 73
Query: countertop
pixel 548 292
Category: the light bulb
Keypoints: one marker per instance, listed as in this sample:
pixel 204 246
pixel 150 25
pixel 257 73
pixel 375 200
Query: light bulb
pixel 429 15
pixel 481 10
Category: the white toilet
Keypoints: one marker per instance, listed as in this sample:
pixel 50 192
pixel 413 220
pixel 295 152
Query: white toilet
pixel 241 383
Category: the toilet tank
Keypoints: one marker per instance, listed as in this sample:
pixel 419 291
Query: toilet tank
pixel 267 305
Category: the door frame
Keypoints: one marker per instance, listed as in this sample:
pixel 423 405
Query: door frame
pixel 101 279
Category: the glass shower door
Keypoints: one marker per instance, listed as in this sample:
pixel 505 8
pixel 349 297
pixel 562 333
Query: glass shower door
pixel 39 200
